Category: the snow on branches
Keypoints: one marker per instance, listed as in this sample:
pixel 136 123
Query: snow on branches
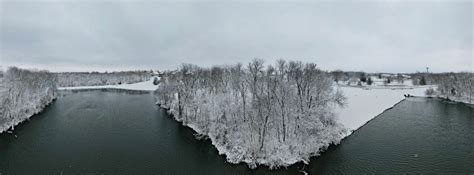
pixel 24 93
pixel 273 115
pixel 457 86
pixel 454 86
pixel 71 79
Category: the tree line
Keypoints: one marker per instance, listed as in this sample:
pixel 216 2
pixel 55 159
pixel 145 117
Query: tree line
pixel 69 79
pixel 450 85
pixel 363 78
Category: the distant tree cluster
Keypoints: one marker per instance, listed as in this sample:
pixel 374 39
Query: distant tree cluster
pixel 421 78
pixel 457 85
pixel 273 115
pixel 400 78
pixel 69 79
pixel 454 85
pixel 24 93
pixel 344 76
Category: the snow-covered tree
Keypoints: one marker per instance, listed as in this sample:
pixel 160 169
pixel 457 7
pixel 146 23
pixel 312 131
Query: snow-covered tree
pixel 69 79
pixel 24 93
pixel 458 86
pixel 338 75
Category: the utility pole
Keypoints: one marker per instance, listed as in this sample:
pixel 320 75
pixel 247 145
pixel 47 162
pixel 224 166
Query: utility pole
pixel 426 75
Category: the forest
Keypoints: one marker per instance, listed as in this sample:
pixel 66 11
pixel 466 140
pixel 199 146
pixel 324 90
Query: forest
pixel 24 93
pixel 70 79
pixel 273 115
pixel 454 86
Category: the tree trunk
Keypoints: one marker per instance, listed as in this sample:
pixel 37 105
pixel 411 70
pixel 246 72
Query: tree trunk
pixel 244 106
pixel 180 108
pixel 284 128
pixel 264 132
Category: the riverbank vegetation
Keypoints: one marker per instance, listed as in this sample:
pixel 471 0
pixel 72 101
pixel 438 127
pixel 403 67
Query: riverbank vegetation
pixel 350 78
pixel 71 79
pixel 24 93
pixel 273 115
pixel 453 86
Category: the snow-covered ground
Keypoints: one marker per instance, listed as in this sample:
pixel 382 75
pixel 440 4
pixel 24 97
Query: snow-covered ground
pixel 141 86
pixel 364 103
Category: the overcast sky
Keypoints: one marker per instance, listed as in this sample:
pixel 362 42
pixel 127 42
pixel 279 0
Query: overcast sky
pixel 403 36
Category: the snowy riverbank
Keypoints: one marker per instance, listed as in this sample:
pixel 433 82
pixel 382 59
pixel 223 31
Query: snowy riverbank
pixel 451 98
pixel 141 86
pixel 363 104
pixel 24 93
pixel 25 112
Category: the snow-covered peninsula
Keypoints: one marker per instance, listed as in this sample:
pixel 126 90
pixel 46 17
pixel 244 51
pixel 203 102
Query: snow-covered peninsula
pixel 273 116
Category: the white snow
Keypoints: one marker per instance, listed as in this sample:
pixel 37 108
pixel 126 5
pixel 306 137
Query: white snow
pixel 363 104
pixel 141 86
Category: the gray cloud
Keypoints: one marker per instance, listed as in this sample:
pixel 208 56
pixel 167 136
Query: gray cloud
pixel 372 36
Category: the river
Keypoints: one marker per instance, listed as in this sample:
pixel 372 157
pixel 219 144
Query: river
pixel 124 132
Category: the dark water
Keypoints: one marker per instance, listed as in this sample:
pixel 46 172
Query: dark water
pixel 122 132
pixel 418 136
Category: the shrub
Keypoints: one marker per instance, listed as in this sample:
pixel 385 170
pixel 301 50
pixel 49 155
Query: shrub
pixel 429 92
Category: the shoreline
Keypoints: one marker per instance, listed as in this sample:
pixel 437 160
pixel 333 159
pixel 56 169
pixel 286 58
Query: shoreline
pixel 9 125
pixel 368 121
pixel 448 100
pixel 222 151
pixel 140 86
pixel 388 96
